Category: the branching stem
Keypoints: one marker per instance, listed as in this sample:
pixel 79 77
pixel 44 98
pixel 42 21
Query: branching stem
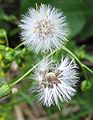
pixel 31 69
pixel 83 66
pixel 78 61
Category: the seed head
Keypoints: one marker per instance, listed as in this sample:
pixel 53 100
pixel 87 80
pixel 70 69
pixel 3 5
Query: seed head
pixel 44 29
pixel 56 82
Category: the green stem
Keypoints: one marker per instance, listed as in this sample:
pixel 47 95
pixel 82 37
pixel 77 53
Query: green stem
pixel 31 69
pixel 66 50
pixel 18 46
pixel 7 44
pixel 87 68
pixel 79 62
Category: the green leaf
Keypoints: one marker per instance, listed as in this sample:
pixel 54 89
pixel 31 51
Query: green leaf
pixel 87 31
pixel 76 24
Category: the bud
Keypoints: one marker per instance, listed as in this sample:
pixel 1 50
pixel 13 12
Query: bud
pixel 85 85
pixel 4 90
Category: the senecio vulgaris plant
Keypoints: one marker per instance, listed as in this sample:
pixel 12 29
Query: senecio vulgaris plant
pixel 45 29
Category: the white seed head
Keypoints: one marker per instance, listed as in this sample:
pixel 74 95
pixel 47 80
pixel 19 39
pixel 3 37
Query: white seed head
pixel 57 83
pixel 44 29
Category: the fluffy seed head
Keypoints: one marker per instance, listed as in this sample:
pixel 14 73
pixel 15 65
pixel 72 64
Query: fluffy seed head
pixel 56 82
pixel 44 29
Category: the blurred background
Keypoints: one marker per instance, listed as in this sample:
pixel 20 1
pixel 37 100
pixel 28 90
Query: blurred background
pixel 23 106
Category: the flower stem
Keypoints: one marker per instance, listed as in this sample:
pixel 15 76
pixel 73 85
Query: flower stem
pixel 66 50
pixel 79 62
pixel 87 68
pixel 18 45
pixel 31 69
pixel 7 44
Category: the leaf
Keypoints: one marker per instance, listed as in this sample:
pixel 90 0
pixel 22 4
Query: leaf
pixel 76 24
pixel 87 31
